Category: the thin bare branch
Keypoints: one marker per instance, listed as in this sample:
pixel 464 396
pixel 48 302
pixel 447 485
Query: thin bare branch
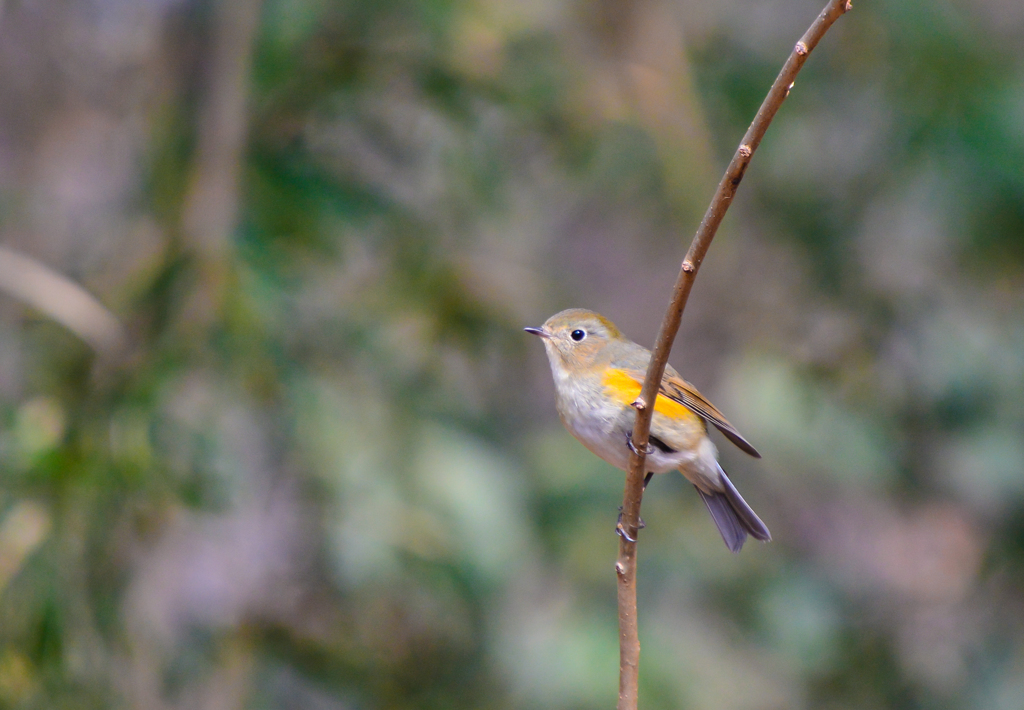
pixel 625 567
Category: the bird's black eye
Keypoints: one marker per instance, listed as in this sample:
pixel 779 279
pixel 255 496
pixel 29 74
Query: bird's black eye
pixel 578 335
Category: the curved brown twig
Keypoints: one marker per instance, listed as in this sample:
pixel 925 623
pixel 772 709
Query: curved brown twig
pixel 625 567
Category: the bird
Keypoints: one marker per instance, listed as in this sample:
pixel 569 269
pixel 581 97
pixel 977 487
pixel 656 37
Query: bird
pixel 598 373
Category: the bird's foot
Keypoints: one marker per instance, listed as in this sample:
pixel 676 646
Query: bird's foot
pixel 629 443
pixel 620 529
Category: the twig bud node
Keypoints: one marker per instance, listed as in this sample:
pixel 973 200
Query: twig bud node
pixel 801 49
pixel 639 404
pixel 688 266
pixel 745 151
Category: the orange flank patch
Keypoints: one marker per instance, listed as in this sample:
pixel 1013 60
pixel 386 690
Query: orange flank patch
pixel 624 389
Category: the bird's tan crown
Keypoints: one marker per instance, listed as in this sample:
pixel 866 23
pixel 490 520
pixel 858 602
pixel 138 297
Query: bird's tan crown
pixel 581 318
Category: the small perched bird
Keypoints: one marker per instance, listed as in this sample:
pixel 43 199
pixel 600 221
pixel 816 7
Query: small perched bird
pixel 598 374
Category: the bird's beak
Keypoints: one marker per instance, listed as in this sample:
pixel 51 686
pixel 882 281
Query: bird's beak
pixel 538 331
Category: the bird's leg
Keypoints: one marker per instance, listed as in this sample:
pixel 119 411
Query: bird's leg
pixel 629 443
pixel 619 529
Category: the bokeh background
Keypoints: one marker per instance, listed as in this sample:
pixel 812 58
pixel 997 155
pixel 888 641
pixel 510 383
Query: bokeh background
pixel 295 451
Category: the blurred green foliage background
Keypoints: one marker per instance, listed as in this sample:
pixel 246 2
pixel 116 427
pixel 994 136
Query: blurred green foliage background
pixel 321 468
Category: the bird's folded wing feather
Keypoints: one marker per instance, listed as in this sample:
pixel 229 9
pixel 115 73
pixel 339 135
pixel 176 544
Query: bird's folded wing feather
pixel 678 390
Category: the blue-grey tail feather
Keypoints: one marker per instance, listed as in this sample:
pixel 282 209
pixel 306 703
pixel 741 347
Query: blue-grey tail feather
pixel 733 517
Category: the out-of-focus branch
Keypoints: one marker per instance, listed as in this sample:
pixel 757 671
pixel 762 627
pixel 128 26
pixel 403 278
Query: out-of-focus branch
pixel 211 204
pixel 61 299
pixel 625 567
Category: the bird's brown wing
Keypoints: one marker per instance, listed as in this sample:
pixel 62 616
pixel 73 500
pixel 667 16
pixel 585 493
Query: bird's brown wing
pixel 681 391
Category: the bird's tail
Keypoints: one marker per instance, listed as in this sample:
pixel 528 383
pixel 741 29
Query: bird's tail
pixel 734 518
